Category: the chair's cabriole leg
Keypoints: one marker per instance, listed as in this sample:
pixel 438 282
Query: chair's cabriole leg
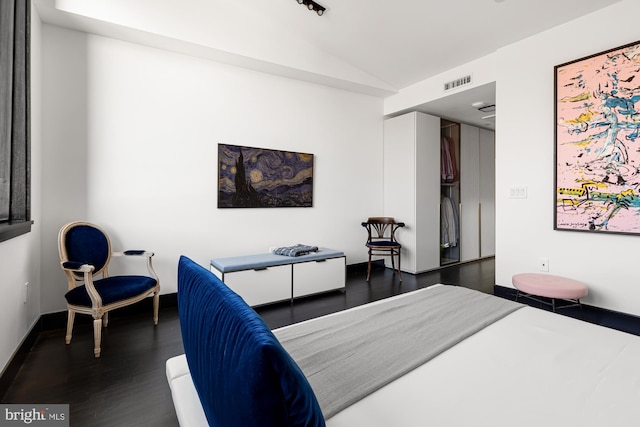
pixel 156 306
pixel 97 336
pixel 70 317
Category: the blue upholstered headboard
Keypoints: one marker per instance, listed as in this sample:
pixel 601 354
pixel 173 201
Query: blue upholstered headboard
pixel 243 376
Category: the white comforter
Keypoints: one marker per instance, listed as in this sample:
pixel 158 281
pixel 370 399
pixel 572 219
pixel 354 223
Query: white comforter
pixel 532 368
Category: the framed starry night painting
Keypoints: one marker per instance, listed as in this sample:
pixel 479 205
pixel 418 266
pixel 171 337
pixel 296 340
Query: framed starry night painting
pixel 250 177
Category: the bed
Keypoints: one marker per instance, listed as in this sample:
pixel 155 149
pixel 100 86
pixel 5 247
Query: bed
pixel 507 365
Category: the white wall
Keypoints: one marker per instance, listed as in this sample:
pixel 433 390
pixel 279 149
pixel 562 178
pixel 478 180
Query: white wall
pixel 20 256
pixel 525 157
pixel 131 138
pixel 481 70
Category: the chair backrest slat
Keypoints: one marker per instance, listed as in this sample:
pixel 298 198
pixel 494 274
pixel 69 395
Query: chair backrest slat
pixel 382 228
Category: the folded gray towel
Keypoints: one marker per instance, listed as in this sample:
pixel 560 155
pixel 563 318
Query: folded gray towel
pixel 295 250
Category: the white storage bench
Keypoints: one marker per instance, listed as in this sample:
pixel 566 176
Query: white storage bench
pixel 265 278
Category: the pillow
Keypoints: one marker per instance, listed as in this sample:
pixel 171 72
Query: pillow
pixel 243 375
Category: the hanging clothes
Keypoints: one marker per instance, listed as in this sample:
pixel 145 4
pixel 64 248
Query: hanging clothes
pixel 448 164
pixel 448 223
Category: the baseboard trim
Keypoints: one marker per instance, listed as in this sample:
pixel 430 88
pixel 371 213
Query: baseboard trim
pixel 600 316
pixel 17 359
pixel 58 320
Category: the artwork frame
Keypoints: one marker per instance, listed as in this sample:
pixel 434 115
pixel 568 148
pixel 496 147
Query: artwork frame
pixel 251 177
pixel 597 142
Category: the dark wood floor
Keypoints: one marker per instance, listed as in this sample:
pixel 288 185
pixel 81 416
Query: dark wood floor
pixel 127 385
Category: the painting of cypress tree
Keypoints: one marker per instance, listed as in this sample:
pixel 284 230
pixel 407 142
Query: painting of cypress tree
pixel 250 177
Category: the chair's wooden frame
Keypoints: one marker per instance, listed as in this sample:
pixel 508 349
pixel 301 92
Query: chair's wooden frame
pixel 86 274
pixel 383 229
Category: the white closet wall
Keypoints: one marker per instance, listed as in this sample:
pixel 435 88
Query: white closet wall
pixel 412 187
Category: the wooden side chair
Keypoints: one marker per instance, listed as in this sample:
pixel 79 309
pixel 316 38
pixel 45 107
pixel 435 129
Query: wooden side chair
pixel 85 252
pixel 381 240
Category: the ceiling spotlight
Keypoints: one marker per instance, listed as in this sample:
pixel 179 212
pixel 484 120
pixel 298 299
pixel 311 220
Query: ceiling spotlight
pixel 311 5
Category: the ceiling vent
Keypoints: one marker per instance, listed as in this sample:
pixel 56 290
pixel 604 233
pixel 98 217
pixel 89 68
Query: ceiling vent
pixel 462 81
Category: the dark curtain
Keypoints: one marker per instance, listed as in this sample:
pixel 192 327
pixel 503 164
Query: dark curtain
pixel 14 110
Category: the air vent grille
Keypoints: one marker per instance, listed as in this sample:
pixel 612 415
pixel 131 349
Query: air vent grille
pixel 457 82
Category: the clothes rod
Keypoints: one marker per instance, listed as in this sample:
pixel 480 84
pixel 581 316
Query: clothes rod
pixel 449 126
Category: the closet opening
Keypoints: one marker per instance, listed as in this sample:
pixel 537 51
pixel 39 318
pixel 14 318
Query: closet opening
pixel 449 192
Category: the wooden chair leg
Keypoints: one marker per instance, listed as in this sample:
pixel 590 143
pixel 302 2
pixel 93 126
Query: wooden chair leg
pixel 393 264
pixel 156 306
pixel 97 336
pixel 71 315
pixel 399 272
pixel 369 267
pixel 105 319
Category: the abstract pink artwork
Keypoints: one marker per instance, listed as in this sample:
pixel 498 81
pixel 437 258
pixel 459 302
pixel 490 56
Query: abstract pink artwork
pixel 597 142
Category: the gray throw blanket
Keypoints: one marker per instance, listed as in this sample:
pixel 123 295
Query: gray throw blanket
pixel 351 354
pixel 296 250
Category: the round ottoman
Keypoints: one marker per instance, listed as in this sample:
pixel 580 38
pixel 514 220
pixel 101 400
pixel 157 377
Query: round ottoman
pixel 549 286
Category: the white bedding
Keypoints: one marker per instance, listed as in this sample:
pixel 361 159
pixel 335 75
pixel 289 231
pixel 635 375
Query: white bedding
pixel 531 368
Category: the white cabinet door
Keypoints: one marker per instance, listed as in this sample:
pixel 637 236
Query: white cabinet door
pixel 318 276
pixel 469 192
pixel 261 286
pixel 487 193
pixel 477 193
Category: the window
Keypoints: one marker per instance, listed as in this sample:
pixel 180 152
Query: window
pixel 15 209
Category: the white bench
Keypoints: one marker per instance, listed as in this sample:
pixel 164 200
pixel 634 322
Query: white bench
pixel 265 278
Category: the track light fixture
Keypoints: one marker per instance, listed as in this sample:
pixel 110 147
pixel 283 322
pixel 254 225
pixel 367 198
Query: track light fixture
pixel 311 5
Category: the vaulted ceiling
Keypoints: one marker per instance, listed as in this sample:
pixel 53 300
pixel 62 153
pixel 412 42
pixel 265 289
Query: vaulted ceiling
pixel 377 47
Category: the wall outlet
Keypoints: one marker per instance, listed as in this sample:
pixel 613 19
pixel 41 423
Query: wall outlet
pixel 543 264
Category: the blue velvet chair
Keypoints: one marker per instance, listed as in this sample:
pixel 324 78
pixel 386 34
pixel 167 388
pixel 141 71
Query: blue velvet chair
pixel 381 240
pixel 85 252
